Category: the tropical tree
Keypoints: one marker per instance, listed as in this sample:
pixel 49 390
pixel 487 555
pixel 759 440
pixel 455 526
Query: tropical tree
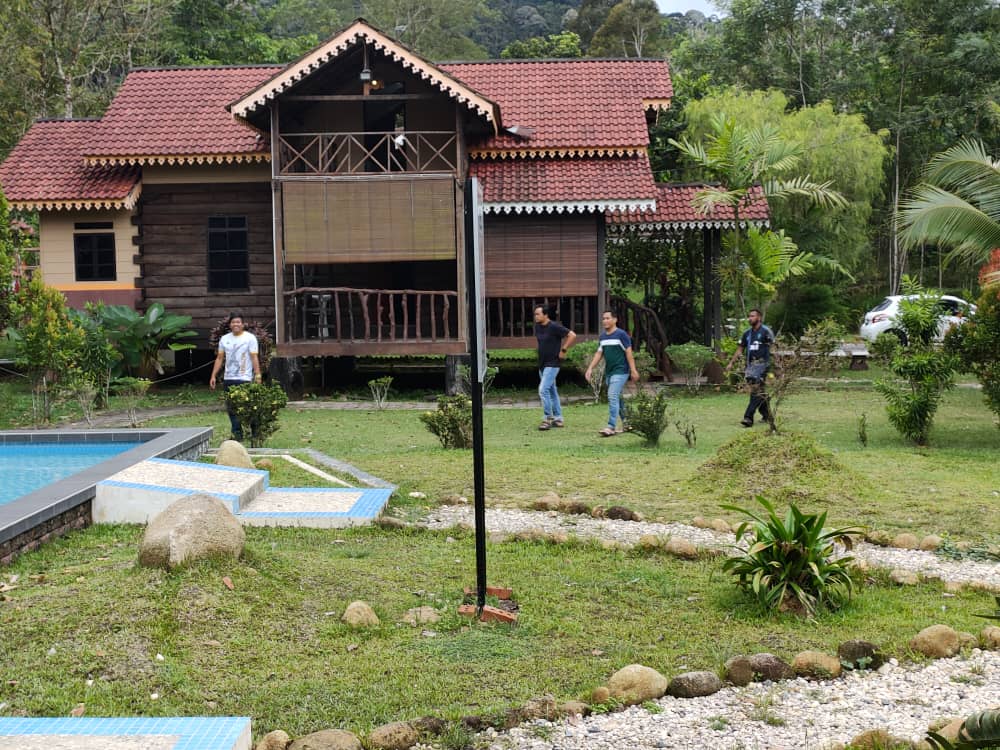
pixel 564 44
pixel 633 28
pixel 957 205
pixel 744 160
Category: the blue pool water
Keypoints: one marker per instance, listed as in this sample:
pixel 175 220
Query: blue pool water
pixel 26 468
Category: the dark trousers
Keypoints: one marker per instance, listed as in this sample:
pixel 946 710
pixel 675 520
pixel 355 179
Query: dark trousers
pixel 758 401
pixel 234 423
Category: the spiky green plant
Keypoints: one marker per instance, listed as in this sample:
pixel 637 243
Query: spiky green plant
pixel 979 730
pixel 790 564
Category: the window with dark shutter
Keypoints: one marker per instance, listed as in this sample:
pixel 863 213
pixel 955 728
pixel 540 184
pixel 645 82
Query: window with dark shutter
pixel 228 256
pixel 94 257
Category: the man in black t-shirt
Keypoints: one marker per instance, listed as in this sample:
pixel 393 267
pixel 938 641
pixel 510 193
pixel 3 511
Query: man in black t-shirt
pixel 554 339
pixel 756 342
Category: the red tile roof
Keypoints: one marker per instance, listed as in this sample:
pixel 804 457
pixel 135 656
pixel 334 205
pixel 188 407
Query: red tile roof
pixel 675 208
pixel 571 104
pixel 597 184
pixel 46 170
pixel 180 112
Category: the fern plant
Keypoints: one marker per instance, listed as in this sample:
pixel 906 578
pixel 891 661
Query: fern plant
pixel 790 563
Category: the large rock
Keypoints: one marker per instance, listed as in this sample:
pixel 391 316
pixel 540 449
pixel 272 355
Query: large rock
pixel 360 615
pixel 906 541
pixel 739 671
pixel 694 685
pixel 399 735
pixel 990 637
pixel 194 528
pixel 861 654
pixel 768 667
pixel 232 453
pixel 421 616
pixel 682 548
pixel 937 642
pixel 327 739
pixel 276 740
pixel 817 665
pixel 637 684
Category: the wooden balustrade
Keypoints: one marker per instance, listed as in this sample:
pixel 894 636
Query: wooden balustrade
pixel 514 317
pixel 367 152
pixel 346 314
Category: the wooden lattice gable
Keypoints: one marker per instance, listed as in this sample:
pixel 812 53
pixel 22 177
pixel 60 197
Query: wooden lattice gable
pixel 361 32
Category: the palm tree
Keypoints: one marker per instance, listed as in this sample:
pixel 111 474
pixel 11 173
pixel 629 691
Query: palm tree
pixel 957 205
pixel 744 161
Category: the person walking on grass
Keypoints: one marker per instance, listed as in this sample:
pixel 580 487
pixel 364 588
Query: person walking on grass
pixel 756 343
pixel 238 351
pixel 615 346
pixel 554 340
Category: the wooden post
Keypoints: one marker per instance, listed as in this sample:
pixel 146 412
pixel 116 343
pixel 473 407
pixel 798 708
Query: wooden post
pixel 602 265
pixel 277 229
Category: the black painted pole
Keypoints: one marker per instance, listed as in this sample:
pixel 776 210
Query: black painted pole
pixel 478 471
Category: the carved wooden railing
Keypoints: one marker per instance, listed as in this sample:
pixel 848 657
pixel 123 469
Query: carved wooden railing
pixel 514 317
pixel 645 328
pixel 368 152
pixel 371 315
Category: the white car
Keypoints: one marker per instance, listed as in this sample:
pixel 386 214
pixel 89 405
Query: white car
pixel 884 315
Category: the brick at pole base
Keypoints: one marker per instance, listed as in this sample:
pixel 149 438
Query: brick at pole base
pixel 490 614
pixel 500 592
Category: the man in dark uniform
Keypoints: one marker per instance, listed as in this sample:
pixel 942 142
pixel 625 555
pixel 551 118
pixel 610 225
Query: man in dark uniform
pixel 756 343
pixel 554 339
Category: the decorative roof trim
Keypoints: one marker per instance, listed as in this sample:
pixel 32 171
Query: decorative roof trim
pixel 653 226
pixel 533 153
pixel 128 202
pixel 140 159
pixel 332 48
pixel 569 207
pixel 656 103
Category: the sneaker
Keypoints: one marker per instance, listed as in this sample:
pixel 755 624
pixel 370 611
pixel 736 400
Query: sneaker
pixel 747 422
pixel 545 425
pixel 556 423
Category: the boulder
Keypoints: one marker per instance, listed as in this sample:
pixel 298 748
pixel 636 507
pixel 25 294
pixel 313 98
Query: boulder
pixel 327 739
pixel 542 707
pixel 951 730
pixel 721 525
pixel 817 665
pixel 768 667
pixel 390 522
pixel 649 541
pixel 399 735
pixel 621 513
pixel 739 671
pixel 861 654
pixel 990 637
pixel 937 642
pixel 430 725
pixel 600 695
pixel 967 640
pixel 637 684
pixel 276 740
pixel 421 616
pixel 574 708
pixel 903 577
pixel 194 528
pixel 701 522
pixel 576 508
pixel 264 464
pixel 906 541
pixel 694 685
pixel 549 501
pixel 232 453
pixel 360 615
pixel 680 547
pixel 876 739
pixel 930 542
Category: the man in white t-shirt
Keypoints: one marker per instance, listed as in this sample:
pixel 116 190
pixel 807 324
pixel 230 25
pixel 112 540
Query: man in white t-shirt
pixel 238 350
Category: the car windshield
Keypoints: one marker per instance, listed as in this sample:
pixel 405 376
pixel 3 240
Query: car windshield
pixel 882 305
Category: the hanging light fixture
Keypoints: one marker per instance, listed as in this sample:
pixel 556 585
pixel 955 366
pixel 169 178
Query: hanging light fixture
pixel 366 72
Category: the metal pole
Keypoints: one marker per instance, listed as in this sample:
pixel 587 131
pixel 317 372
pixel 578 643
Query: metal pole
pixel 478 472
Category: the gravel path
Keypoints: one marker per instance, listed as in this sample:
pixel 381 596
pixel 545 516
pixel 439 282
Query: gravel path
pixel 927 564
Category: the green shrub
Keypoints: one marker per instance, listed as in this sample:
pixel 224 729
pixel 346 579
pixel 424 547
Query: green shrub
pixel 452 422
pixel 646 414
pixel 465 379
pixel 131 390
pixel 256 407
pixel 690 359
pixel 803 304
pixel 380 390
pixel 885 346
pixel 139 337
pixel 99 357
pixel 789 565
pixel 976 343
pixel 580 356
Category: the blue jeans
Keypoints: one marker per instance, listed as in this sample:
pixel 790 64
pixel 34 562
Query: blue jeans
pixel 234 423
pixel 548 393
pixel 615 385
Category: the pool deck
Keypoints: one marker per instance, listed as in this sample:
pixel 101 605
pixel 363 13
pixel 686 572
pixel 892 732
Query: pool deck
pixel 28 512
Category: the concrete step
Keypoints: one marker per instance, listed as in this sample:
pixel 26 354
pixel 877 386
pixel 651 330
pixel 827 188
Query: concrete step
pixel 88 733
pixel 143 490
pixel 315 507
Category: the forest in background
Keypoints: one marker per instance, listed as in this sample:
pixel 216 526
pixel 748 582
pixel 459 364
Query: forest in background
pixel 871 89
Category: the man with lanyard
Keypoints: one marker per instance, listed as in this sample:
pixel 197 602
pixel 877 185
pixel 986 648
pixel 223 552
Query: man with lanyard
pixel 554 339
pixel 756 342
pixel 238 349
pixel 616 349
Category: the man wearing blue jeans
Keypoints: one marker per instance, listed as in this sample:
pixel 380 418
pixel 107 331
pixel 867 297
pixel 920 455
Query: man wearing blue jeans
pixel 616 350
pixel 554 339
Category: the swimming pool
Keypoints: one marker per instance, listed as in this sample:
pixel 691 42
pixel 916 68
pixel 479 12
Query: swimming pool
pixel 29 466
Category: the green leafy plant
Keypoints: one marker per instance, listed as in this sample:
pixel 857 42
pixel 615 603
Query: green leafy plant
pixel 380 390
pixel 465 379
pixel 976 343
pixel 139 337
pixel 84 391
pixel 979 730
pixel 687 430
pixel 131 390
pixel 646 414
pixel 790 563
pixel 256 406
pixel 690 360
pixel 580 356
pixel 98 355
pixel 451 422
pixel 863 429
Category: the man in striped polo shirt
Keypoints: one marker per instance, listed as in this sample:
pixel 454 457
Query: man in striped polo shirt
pixel 616 350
